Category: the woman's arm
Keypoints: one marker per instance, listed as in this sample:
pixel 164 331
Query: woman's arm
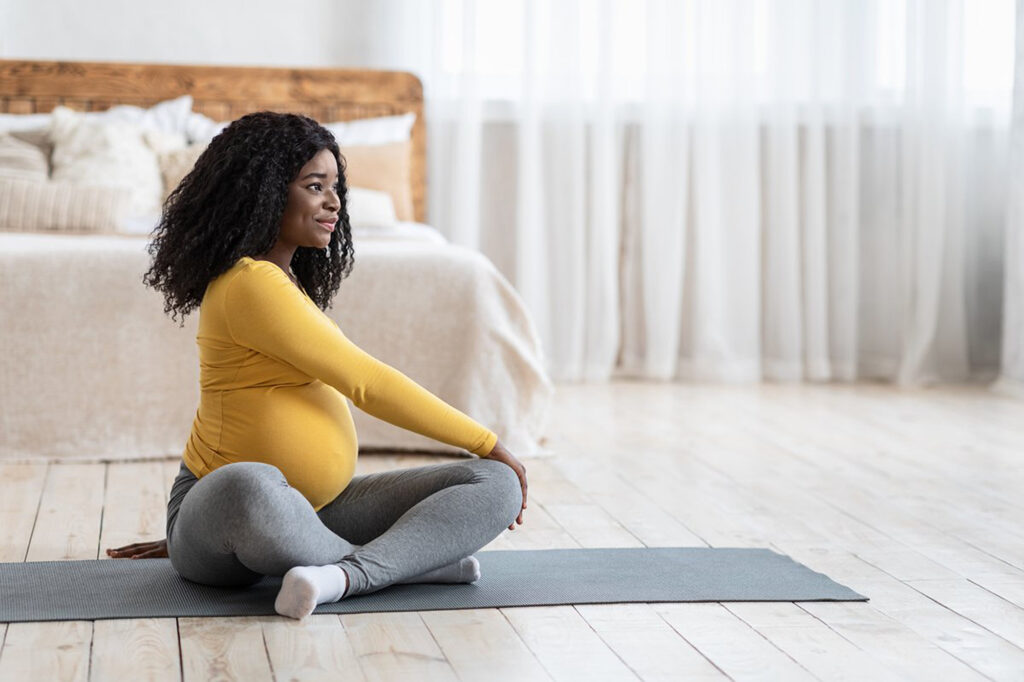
pixel 264 311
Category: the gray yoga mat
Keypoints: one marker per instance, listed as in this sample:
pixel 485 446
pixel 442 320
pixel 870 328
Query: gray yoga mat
pixel 150 588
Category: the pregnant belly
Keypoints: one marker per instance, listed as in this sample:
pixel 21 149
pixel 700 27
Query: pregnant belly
pixel 305 431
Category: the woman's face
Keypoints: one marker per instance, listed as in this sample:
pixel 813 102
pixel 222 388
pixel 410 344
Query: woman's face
pixel 311 213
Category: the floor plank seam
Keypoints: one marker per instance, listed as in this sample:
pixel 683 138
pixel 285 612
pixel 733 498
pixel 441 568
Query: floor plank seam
pixel 910 585
pixel 770 642
pixel 692 645
pixel 39 505
pixel 103 509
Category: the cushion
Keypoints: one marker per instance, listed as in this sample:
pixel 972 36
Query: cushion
pixel 9 122
pixel 162 142
pixel 21 160
pixel 368 208
pixel 383 167
pixel 367 131
pixel 39 138
pixel 170 116
pixel 363 131
pixel 111 153
pixel 175 164
pixel 201 128
pixel 32 206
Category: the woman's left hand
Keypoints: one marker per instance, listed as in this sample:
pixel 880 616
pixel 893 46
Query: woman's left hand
pixel 502 455
pixel 140 550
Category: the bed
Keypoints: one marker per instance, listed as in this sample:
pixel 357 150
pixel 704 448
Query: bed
pixel 91 368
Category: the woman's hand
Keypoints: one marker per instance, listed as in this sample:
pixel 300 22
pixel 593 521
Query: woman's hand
pixel 502 455
pixel 140 550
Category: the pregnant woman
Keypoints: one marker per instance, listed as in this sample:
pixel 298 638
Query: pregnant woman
pixel 257 237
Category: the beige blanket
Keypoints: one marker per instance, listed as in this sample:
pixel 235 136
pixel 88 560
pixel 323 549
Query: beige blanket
pixel 91 368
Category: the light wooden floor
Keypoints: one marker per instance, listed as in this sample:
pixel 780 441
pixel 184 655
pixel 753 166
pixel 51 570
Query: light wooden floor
pixel 914 498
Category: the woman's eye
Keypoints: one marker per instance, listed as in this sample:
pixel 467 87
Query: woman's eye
pixel 316 186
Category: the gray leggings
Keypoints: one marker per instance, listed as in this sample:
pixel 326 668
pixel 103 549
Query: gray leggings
pixel 243 521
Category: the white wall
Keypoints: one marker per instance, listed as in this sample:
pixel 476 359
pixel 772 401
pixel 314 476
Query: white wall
pixel 229 32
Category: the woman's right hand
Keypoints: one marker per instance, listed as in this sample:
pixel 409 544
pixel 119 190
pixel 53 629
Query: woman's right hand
pixel 502 455
pixel 140 550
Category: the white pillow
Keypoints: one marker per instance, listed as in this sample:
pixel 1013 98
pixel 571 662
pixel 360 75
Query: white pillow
pixel 403 230
pixel 370 208
pixel 11 122
pixel 365 131
pixel 111 153
pixel 202 128
pixel 169 116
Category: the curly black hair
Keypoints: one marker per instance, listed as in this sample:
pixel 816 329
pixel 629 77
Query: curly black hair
pixel 230 205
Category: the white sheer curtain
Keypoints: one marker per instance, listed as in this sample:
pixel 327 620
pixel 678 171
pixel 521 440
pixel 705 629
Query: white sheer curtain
pixel 1012 376
pixel 727 189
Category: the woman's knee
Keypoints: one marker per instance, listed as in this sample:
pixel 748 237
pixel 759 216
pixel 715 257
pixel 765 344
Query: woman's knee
pixel 507 488
pixel 247 495
pixel 246 482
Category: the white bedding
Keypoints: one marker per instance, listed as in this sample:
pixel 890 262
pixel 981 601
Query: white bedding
pixel 91 368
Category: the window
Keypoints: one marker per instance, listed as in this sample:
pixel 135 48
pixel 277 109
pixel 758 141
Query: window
pixel 488 38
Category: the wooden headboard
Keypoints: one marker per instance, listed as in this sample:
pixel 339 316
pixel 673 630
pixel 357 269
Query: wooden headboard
pixel 223 93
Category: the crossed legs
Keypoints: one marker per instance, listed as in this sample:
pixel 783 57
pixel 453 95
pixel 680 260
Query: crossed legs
pixel 244 521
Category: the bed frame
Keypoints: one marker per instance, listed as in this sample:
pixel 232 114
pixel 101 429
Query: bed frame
pixel 223 93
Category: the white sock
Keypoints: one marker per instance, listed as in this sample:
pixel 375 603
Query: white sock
pixel 304 587
pixel 465 570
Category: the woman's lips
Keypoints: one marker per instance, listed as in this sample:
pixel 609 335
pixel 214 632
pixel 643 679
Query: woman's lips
pixel 329 226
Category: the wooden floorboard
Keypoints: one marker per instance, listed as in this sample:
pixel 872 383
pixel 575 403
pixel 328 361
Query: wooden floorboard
pixel 911 497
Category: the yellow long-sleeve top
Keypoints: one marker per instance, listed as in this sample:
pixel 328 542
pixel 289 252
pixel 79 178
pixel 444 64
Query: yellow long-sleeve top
pixel 273 372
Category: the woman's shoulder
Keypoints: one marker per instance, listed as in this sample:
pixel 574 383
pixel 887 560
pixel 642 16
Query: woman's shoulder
pixel 248 267
pixel 250 264
pixel 246 287
pixel 246 272
pixel 254 278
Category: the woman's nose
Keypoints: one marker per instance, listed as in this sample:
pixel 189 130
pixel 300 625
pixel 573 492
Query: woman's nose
pixel 332 200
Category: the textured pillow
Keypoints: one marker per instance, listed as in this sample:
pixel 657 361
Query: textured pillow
pixel 162 142
pixel 39 138
pixel 111 153
pixel 177 163
pixel 27 206
pixel 200 128
pixel 383 167
pixel 21 160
